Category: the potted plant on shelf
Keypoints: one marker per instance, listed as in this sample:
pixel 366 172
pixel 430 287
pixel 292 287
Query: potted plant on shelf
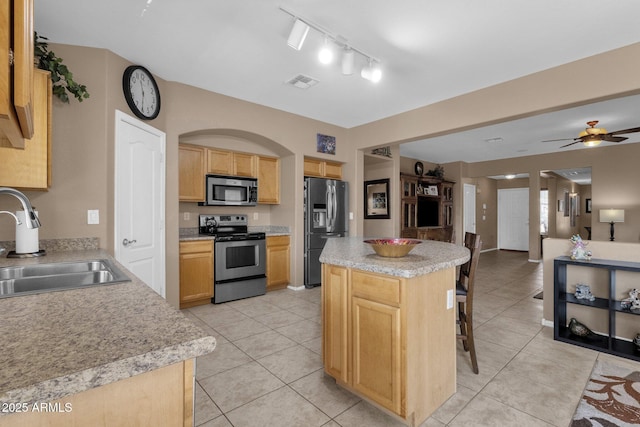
pixel 61 77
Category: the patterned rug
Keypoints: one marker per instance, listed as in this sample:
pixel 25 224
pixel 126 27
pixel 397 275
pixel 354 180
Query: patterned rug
pixel 611 398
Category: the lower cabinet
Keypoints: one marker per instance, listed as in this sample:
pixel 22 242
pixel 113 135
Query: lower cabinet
pixel 278 262
pixel 196 273
pixel 390 339
pixel 163 397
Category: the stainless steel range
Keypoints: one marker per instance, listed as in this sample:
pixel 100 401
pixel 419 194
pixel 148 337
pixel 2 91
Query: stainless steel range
pixel 239 257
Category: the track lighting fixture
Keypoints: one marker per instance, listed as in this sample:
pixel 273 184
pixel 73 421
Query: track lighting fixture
pixel 371 72
pixel 301 26
pixel 298 34
pixel 325 56
pixel 348 61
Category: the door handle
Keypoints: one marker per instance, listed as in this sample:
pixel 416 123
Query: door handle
pixel 127 242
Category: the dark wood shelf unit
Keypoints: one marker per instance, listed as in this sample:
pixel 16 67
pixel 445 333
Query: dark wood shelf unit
pixel 440 206
pixel 599 342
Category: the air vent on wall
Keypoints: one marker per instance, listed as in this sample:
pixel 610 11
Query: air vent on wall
pixel 302 82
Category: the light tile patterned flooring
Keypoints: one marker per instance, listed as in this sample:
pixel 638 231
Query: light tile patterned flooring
pixel 267 367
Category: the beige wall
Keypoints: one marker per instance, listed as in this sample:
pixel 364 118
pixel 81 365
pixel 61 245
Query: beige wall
pixel 377 167
pixel 83 146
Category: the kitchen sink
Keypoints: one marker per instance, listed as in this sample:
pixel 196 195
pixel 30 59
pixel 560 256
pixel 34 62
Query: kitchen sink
pixel 37 278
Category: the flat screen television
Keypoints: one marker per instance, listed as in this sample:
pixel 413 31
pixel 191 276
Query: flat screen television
pixel 428 212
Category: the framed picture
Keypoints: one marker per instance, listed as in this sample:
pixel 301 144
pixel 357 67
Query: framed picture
pixel 567 204
pixel 326 144
pixel 376 199
pixel 587 206
pixel 431 190
pixel 561 206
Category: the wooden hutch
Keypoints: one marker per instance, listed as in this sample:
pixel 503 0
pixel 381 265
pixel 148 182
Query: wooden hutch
pixel 427 207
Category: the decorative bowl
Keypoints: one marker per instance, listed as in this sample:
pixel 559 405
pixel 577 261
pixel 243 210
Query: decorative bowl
pixel 392 248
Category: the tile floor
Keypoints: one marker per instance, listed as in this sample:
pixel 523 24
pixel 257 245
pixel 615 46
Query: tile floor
pixel 267 367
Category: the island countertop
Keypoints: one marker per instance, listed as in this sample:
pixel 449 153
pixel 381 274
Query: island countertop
pixel 427 257
pixel 60 343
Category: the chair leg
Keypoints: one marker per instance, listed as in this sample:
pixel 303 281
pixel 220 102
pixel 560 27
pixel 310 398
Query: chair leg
pixel 462 317
pixel 472 345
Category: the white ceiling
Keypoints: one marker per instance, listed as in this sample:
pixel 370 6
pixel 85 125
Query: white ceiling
pixel 430 50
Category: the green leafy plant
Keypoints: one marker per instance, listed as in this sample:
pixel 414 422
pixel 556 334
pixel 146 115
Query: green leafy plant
pixel 61 77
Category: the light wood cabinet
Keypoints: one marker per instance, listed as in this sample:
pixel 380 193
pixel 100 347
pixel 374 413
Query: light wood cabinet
pixel 196 273
pixel 322 168
pixel 278 262
pixel 390 339
pixel 16 84
pixel 268 180
pixel 224 162
pixel 30 168
pixel 191 174
pixel 163 397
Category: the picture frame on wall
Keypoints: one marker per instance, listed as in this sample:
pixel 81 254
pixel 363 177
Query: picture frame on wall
pixel 376 199
pixel 561 206
pixel 587 206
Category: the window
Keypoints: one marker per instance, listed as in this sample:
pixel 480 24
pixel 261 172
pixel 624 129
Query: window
pixel 544 212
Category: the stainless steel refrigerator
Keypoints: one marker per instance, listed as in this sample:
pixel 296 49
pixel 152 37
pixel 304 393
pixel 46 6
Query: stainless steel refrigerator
pixel 326 215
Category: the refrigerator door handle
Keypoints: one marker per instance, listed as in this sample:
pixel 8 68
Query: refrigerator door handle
pixel 329 208
pixel 335 206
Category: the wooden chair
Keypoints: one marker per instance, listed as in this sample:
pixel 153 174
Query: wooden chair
pixel 464 296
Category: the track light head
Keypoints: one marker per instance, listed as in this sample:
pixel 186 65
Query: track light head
pixel 372 72
pixel 348 61
pixel 298 34
pixel 325 56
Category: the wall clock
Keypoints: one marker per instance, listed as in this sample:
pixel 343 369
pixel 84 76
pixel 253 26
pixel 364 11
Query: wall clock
pixel 141 92
pixel 419 168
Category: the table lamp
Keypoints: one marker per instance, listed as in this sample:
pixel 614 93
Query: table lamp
pixel 611 216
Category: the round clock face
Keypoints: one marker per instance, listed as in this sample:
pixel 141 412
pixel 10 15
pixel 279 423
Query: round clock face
pixel 141 92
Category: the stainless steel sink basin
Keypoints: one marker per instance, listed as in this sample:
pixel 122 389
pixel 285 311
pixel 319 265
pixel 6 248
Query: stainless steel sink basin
pixel 36 278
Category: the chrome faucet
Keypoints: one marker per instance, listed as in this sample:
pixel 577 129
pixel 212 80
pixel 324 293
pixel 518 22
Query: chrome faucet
pixel 31 217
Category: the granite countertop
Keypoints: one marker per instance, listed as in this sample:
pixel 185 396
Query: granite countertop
pixel 425 258
pixel 59 343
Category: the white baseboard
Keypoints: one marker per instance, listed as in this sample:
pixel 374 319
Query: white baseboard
pixel 547 323
pixel 535 260
pixel 296 288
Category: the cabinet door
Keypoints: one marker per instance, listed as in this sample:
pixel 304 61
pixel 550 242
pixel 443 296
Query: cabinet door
pixel 335 312
pixel 268 180
pixel 219 162
pixel 278 262
pixel 191 174
pixel 31 168
pixel 23 65
pixel 376 347
pixel 313 167
pixel 333 170
pixel 196 272
pixel 244 165
pixel 10 132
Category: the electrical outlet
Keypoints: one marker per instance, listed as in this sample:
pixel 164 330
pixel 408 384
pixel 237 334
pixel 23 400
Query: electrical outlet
pixel 186 216
pixel 255 215
pixel 449 299
pixel 93 216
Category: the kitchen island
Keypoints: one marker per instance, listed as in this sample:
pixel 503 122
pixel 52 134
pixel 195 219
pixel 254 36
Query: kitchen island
pixel 388 324
pixel 108 354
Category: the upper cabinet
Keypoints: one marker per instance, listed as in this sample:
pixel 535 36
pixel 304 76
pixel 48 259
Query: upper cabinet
pixel 268 180
pixel 16 73
pixel 191 173
pixel 322 168
pixel 30 168
pixel 223 162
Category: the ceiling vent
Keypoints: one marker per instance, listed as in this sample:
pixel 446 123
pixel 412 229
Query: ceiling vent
pixel 302 82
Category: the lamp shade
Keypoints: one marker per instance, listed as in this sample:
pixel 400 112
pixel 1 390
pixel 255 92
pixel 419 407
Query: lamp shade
pixel 611 215
pixel 298 34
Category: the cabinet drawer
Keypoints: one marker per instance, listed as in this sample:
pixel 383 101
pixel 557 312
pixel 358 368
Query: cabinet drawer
pixel 196 246
pixel 277 240
pixel 375 287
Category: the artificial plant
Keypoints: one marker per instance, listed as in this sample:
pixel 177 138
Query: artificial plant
pixel 61 77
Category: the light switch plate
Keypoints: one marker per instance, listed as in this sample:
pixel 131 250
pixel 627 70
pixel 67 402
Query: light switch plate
pixel 93 216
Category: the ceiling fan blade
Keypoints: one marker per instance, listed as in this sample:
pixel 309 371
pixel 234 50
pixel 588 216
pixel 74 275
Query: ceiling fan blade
pixel 562 139
pixel 571 143
pixel 620 132
pixel 610 138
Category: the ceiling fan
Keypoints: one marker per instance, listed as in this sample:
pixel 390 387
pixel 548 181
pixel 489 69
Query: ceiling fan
pixel 593 136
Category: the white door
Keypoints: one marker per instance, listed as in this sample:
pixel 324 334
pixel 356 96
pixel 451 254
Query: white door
pixel 139 200
pixel 469 209
pixel 513 219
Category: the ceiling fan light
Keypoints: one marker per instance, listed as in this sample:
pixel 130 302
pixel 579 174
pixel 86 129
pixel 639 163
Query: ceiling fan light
pixel 592 141
pixel 298 34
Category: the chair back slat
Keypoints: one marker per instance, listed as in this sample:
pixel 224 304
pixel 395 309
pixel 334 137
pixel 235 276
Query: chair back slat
pixel 468 269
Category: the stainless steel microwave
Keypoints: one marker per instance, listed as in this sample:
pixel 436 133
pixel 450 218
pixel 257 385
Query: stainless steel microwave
pixel 231 191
